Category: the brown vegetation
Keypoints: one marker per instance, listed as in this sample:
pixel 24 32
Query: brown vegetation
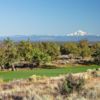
pixel 44 88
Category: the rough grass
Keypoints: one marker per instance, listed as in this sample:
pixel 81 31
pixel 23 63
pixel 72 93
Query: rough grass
pixel 13 75
pixel 39 88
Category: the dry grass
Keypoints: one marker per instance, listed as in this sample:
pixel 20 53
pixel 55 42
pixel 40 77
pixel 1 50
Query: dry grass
pixel 47 88
pixel 1 81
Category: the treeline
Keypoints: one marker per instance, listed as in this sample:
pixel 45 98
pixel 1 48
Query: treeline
pixel 38 53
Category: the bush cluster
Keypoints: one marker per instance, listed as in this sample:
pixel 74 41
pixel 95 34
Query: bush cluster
pixel 38 53
pixel 71 84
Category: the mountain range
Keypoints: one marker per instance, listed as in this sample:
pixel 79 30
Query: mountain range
pixel 76 36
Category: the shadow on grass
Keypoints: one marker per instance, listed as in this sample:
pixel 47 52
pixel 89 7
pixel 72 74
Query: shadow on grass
pixel 49 67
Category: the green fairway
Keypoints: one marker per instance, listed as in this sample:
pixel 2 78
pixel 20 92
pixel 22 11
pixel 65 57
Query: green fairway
pixel 11 75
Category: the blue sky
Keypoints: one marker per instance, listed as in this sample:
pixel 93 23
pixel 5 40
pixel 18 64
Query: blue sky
pixel 18 17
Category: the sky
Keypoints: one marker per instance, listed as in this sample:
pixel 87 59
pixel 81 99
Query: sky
pixel 49 17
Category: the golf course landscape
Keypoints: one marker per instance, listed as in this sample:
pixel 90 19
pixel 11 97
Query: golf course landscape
pixel 49 49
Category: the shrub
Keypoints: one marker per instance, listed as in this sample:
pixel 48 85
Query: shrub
pixel 71 84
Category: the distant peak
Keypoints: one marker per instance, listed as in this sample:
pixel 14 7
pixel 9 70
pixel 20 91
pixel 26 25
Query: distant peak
pixel 78 33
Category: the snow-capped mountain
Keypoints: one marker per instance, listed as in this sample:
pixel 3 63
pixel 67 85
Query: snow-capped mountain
pixel 78 33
